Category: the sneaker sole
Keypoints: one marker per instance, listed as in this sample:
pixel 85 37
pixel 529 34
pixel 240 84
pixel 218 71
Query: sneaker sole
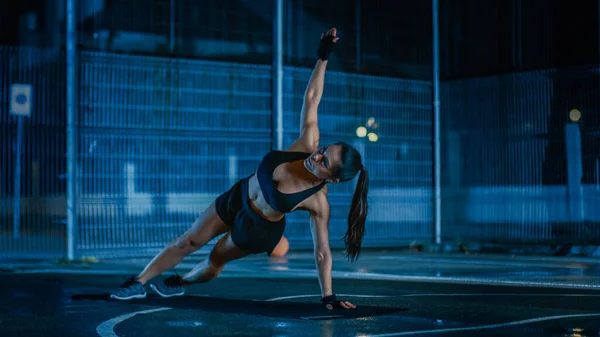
pixel 138 296
pixel 165 295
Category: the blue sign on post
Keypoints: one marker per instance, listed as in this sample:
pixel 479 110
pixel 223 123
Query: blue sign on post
pixel 20 106
pixel 20 100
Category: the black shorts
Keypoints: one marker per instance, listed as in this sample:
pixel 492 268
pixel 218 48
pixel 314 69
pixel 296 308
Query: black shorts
pixel 249 230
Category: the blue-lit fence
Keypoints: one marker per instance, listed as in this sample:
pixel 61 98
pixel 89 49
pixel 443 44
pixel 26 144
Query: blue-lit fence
pixel 506 159
pixel 160 138
pixel 399 162
pixel 41 230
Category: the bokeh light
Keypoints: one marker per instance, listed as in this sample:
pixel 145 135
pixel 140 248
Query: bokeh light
pixel 373 136
pixel 575 115
pixel 361 131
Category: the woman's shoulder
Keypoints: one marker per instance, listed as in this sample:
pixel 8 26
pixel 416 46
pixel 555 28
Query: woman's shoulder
pixel 301 146
pixel 318 202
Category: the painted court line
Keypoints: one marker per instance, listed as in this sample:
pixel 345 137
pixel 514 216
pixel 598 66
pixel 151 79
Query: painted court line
pixel 306 273
pixel 489 326
pixel 322 317
pixel 464 280
pixel 509 263
pixel 499 294
pixel 107 328
pixel 317 295
pixel 434 295
pixel 481 327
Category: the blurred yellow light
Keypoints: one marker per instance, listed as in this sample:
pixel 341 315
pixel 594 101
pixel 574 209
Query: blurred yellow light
pixel 361 131
pixel 575 115
pixel 373 137
pixel 370 121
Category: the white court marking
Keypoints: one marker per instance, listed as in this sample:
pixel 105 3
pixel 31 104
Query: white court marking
pixel 569 264
pixel 291 297
pixel 500 294
pixel 316 295
pixel 322 317
pixel 302 273
pixel 480 327
pixel 489 326
pixel 107 328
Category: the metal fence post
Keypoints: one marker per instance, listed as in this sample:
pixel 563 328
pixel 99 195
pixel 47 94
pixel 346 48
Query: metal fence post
pixel 436 125
pixel 278 76
pixel 72 130
pixel 575 201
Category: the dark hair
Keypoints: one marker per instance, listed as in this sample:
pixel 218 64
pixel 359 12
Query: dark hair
pixel 351 165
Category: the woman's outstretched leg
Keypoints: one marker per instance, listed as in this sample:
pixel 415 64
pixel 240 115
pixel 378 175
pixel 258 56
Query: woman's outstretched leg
pixel 205 228
pixel 222 253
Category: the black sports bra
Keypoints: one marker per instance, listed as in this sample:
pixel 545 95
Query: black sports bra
pixel 281 202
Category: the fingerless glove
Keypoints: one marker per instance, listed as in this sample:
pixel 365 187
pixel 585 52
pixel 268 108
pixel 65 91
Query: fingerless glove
pixel 332 300
pixel 325 47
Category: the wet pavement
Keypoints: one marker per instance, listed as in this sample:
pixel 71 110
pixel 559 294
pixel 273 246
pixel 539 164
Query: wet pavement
pixel 396 295
pixel 59 305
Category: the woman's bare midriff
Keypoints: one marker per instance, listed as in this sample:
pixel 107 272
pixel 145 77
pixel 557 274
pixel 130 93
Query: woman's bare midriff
pixel 258 202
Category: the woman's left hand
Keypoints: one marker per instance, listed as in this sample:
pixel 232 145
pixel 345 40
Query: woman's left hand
pixel 331 302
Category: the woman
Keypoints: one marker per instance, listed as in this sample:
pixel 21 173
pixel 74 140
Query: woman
pixel 252 212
